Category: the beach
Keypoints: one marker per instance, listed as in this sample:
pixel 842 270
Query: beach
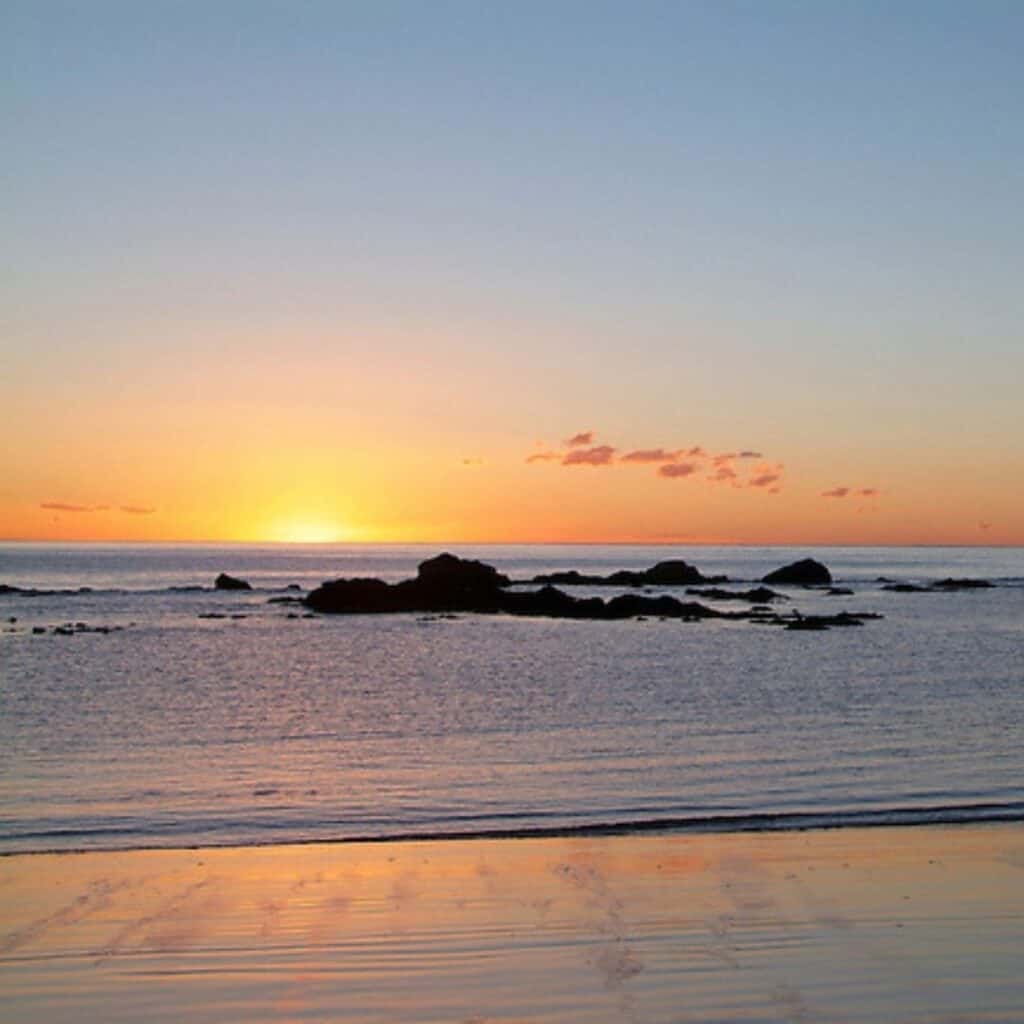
pixel 878 924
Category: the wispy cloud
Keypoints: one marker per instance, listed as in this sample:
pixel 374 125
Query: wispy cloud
pixel 472 460
pixel 848 492
pixel 677 470
pixel 137 510
pixel 602 455
pixel 767 476
pixel 63 506
pixel 579 440
pixel 651 455
pixel 672 463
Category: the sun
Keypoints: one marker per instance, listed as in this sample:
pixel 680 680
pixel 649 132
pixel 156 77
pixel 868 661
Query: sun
pixel 307 531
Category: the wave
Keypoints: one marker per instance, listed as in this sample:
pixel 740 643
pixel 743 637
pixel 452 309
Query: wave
pixel 114 838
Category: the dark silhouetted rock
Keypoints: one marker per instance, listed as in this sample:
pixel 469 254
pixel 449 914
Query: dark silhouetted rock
pixel 839 592
pixel 447 584
pixel 670 573
pixel 758 595
pixel 905 588
pixel 450 575
pixel 806 573
pixel 226 582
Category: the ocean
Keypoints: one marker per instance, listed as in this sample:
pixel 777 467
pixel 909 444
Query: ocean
pixel 178 715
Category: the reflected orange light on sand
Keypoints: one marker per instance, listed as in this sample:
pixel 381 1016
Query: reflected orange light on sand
pixel 488 929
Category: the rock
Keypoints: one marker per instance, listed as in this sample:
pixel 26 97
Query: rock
pixel 447 584
pixel 938 586
pixel 759 595
pixel 226 582
pixel 807 573
pixel 839 592
pixel 670 573
pixel 451 574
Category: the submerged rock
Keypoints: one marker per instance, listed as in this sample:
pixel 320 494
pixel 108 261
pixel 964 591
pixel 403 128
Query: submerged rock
pixel 226 582
pixel 939 586
pixel 807 573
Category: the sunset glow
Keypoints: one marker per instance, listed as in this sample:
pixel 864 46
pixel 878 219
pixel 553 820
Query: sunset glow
pixel 739 277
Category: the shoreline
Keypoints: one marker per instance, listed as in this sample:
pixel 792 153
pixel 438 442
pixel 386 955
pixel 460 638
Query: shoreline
pixel 754 823
pixel 853 924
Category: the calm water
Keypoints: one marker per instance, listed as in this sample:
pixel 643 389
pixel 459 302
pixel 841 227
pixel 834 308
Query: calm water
pixel 264 726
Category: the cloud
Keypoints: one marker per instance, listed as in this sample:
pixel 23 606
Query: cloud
pixel 63 506
pixel 723 458
pixel 723 474
pixel 750 455
pixel 137 510
pixel 579 440
pixel 545 457
pixel 602 455
pixel 696 452
pixel 651 455
pixel 675 470
pixel 844 492
pixel 766 476
pixel 472 460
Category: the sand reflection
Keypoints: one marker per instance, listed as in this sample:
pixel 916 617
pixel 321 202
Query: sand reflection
pixel 847 925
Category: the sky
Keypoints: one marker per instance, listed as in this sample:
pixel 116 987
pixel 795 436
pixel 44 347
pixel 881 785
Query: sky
pixel 722 272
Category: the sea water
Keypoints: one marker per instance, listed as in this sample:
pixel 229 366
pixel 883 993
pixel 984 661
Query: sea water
pixel 206 717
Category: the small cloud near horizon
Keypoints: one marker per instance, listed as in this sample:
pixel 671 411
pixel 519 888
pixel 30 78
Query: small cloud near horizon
pixel 767 476
pixel 63 506
pixel 670 463
pixel 602 455
pixel 137 510
pixel 677 470
pixel 580 440
pixel 648 455
pixel 846 492
pixel 470 460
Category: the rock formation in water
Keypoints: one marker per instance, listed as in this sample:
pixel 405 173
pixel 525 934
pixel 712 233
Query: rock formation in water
pixel 671 573
pixel 805 573
pixel 226 582
pixel 447 584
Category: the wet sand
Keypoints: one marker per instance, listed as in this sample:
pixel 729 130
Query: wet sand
pixel 885 924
